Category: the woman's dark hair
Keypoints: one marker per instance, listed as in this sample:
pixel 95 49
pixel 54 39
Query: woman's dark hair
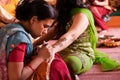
pixel 64 8
pixel 26 9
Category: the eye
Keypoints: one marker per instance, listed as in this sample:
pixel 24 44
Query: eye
pixel 46 26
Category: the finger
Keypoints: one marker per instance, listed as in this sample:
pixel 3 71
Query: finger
pixel 47 60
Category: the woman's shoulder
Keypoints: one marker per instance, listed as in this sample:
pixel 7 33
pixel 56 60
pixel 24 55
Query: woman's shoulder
pixel 14 27
pixel 16 30
pixel 85 11
pixel 80 10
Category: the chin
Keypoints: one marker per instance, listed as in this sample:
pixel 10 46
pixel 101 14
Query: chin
pixel 36 36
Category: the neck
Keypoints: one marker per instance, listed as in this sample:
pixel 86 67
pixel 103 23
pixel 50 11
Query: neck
pixel 25 25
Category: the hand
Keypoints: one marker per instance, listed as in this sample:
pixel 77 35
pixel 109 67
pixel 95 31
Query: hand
pixel 46 52
pixel 96 2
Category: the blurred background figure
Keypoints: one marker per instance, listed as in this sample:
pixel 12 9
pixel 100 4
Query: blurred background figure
pixel 7 11
pixel 101 11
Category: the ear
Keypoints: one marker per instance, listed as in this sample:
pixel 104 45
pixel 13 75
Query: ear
pixel 33 19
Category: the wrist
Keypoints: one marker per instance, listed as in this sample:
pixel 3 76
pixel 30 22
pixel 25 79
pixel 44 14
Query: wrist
pixel 40 58
pixel 54 49
pixel 31 67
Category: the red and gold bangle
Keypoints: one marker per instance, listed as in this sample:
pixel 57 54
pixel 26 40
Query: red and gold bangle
pixel 31 68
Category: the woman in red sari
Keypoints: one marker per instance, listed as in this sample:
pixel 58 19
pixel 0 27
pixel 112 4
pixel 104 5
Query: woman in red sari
pixel 100 8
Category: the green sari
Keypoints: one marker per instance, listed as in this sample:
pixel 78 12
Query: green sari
pixel 82 53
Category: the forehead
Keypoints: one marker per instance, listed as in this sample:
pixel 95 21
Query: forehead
pixel 48 21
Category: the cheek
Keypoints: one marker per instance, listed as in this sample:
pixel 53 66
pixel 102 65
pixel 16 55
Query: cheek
pixel 36 31
pixel 39 30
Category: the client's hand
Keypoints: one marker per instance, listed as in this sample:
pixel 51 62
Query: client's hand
pixel 45 52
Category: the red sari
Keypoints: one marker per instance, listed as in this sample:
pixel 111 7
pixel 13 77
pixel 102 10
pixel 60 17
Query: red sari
pixel 98 13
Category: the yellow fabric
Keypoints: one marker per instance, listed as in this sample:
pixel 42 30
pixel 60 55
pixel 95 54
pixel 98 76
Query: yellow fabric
pixel 10 8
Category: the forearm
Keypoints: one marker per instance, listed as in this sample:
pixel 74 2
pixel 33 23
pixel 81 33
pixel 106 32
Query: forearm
pixel 44 53
pixel 108 7
pixel 17 71
pixel 101 3
pixel 63 42
pixel 27 71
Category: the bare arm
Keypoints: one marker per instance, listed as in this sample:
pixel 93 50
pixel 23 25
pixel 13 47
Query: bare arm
pixel 101 3
pixel 17 71
pixel 104 3
pixel 80 23
pixel 20 71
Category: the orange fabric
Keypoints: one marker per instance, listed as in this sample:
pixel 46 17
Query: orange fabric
pixel 10 8
pixel 114 22
pixel 40 73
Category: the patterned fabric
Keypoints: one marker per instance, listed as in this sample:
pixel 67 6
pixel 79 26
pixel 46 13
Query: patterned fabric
pixel 115 3
pixel 7 38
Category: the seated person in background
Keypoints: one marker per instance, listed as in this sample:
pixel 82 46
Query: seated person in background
pixel 7 11
pixel 16 48
pixel 101 11
pixel 76 38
